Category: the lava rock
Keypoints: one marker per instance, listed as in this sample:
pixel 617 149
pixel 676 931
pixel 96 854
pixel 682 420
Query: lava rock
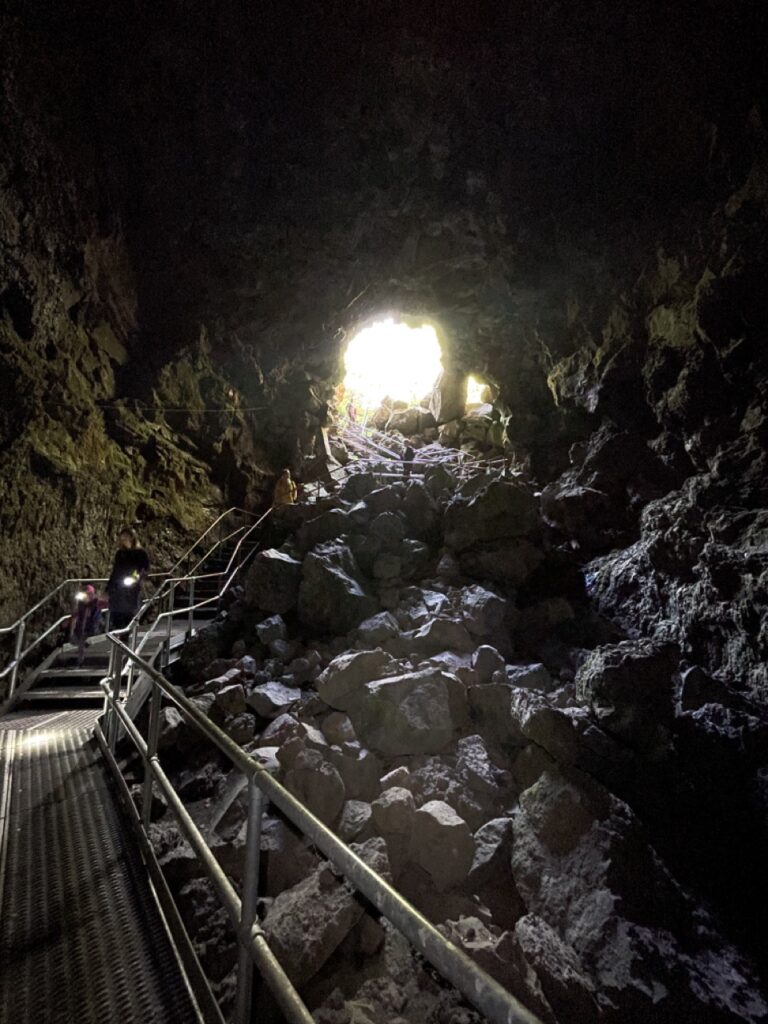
pixel 315 782
pixel 272 699
pixel 332 596
pixel 377 629
pixel 630 689
pixel 271 629
pixel 407 714
pixel 272 582
pixel 307 923
pixel 340 683
pixel 441 844
pixel 501 510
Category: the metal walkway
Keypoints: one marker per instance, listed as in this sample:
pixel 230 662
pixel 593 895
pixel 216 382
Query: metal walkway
pixel 81 938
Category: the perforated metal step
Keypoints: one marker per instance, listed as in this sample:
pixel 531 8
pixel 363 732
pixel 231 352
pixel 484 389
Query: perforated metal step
pixel 81 939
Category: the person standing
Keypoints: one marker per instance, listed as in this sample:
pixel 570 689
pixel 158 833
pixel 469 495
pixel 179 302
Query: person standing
pixel 285 492
pixel 130 566
pixel 85 621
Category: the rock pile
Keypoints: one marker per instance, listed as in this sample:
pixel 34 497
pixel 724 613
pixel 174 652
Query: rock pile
pixel 405 665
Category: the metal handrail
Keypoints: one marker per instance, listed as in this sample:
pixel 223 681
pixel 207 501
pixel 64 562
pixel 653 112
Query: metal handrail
pixel 485 993
pixel 202 536
pixel 43 600
pixel 19 655
pixel 92 579
pixel 188 610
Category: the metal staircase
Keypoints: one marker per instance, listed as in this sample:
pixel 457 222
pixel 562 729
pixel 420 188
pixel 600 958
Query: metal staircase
pixel 185 600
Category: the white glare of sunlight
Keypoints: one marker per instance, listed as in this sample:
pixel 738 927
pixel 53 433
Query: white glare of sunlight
pixel 393 359
pixel 474 391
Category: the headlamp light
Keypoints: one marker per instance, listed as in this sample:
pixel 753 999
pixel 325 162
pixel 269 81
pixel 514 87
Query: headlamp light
pixel 81 595
pixel 129 581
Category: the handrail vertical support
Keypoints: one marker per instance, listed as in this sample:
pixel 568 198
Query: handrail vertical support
pixel 169 622
pixel 153 734
pixel 191 619
pixel 131 667
pixel 244 995
pixel 116 674
pixel 17 655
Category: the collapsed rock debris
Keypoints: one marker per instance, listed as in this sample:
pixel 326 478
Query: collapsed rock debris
pixel 486 764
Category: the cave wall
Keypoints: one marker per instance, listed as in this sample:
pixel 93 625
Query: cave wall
pixel 576 195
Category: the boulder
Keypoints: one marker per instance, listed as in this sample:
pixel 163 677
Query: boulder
pixel 441 844
pixel 240 727
pixel 490 875
pixel 415 558
pixel 315 781
pixel 171 725
pixel 548 727
pixel 360 770
pixel 287 856
pixel 491 707
pixel 559 969
pixel 271 629
pixel 230 700
pixel 339 685
pixel 272 582
pixel 393 811
pixel 272 699
pixel 389 528
pixel 385 499
pixel 397 777
pixel 647 949
pixel 337 728
pixel 630 689
pixel 306 924
pixel 530 677
pixel 483 611
pixel 510 563
pixel 332 596
pixel 325 527
pixel 485 661
pixel 419 508
pixel 499 511
pixel 441 635
pixel 356 818
pixel 410 421
pixel 407 714
pixel 377 629
pixel 357 486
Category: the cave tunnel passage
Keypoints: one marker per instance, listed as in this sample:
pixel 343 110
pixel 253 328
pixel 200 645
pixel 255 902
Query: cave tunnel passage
pixel 391 359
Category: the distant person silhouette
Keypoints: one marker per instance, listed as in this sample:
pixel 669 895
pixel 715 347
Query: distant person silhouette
pixel 407 460
pixel 130 567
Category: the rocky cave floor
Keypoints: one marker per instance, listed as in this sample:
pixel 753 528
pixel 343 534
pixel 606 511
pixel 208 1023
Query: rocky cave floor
pixel 421 664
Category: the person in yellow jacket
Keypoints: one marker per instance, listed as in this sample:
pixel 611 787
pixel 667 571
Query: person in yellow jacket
pixel 285 489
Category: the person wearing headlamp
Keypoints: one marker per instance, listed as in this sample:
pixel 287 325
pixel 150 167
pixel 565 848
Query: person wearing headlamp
pixel 130 567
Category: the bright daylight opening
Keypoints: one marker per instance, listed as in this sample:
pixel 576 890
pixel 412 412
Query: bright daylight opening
pixel 475 390
pixel 391 359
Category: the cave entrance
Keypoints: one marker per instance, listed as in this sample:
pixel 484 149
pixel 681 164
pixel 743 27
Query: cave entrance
pixel 398 360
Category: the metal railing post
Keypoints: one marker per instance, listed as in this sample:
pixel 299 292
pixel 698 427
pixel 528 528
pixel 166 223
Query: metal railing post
pixel 191 618
pixel 131 666
pixel 244 995
pixel 169 623
pixel 153 734
pixel 17 654
pixel 116 673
